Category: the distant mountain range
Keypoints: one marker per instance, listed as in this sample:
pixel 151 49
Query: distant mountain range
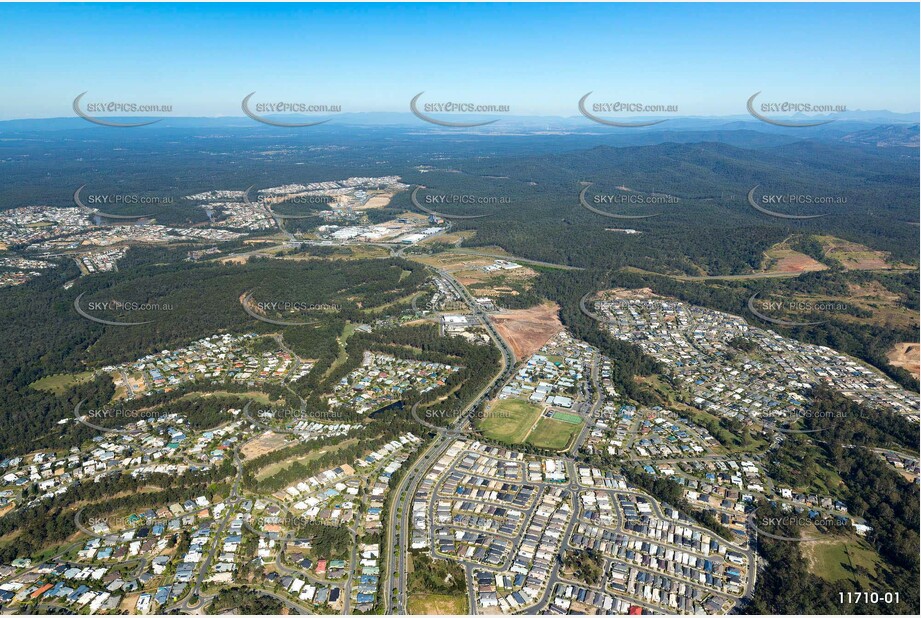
pixel 851 121
pixel 886 136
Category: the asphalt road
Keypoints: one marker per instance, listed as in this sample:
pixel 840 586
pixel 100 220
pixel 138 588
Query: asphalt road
pixel 399 532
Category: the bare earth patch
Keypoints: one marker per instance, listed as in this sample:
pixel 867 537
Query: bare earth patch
pixel 810 555
pixel 239 259
pixel 906 356
pixel 872 290
pixel 437 604
pixel 527 330
pixel 469 270
pixel 266 443
pixel 451 238
pixel 377 201
pixel 854 256
pixel 790 261
pixel 453 262
pixel 496 291
pixel 627 294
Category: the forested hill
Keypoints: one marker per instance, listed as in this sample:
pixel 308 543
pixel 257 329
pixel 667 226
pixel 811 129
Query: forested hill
pixel 709 228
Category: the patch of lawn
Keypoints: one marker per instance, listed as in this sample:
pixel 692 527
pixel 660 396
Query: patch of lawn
pixel 842 560
pixel 437 604
pixel 347 331
pixel 257 396
pixel 62 382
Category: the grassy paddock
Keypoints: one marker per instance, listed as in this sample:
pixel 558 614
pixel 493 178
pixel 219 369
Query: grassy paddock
pixel 437 604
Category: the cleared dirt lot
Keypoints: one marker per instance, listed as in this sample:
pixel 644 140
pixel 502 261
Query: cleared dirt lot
pixel 626 294
pixel 906 356
pixel 527 330
pixel 266 443
pixel 380 200
pixel 854 256
pixel 451 238
pixel 782 260
pixel 469 269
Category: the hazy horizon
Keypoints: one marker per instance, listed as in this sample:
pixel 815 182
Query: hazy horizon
pixel 201 60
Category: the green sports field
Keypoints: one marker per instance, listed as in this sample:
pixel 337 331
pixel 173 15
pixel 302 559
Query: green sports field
pixel 567 417
pixel 509 420
pixel 553 434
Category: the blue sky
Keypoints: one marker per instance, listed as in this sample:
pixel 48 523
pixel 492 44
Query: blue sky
pixel 538 59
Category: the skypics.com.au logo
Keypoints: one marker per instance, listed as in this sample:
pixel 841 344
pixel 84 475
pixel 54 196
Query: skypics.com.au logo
pixel 96 202
pixel 123 416
pixel 98 111
pixel 809 414
pixel 763 522
pixel 760 110
pixel 268 202
pixel 624 198
pixel 455 199
pixel 624 107
pixel 260 310
pixel 767 305
pixel 255 110
pixel 422 111
pixel 271 418
pixel 767 203
pixel 118 305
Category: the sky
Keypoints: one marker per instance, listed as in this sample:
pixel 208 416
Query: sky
pixel 538 59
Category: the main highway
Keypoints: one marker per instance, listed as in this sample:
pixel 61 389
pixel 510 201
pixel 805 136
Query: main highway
pixel 399 525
